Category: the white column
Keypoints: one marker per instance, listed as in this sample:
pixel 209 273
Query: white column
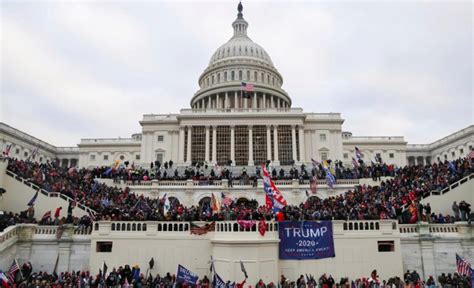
pixel 251 163
pixel 245 100
pixel 293 142
pixel 180 145
pixel 226 101
pixel 254 100
pixel 272 105
pixel 269 143
pixel 206 149
pixel 275 142
pixel 236 100
pixel 188 160
pixel 264 101
pixel 302 143
pixel 232 144
pixel 214 144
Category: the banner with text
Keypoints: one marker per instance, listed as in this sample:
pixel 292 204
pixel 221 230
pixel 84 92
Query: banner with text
pixel 306 240
pixel 185 275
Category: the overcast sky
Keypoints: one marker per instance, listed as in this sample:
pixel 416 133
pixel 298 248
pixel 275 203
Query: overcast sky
pixel 72 70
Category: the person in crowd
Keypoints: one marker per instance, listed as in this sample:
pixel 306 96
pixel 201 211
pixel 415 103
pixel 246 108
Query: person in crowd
pixel 455 208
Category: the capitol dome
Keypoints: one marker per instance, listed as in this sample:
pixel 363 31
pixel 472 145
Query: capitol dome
pixel 239 65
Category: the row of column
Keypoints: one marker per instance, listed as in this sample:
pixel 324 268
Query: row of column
pixel 218 101
pixel 213 158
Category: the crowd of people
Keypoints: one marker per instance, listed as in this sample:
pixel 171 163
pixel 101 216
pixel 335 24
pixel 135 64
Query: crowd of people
pixel 132 276
pixel 396 198
pixel 208 173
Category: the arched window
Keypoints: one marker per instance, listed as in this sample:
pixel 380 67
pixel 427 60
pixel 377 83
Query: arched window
pixel 248 75
pixel 232 75
pixel 240 75
pixel 212 81
pixel 255 76
pixel 268 79
pixel 218 77
pixel 273 80
pixel 207 82
pixel 262 78
pixel 225 76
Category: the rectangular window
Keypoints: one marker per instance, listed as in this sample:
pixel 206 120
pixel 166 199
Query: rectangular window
pixel 17 151
pixel 241 145
pixel 386 246
pixel 223 145
pixel 259 139
pixel 137 157
pixel 322 137
pixel 106 157
pixel 92 157
pixel 161 138
pixel 285 145
pixel 391 155
pixel 198 144
pixel 453 153
pixel 104 246
pixel 26 154
pixel 378 155
pixel 461 151
pixel 346 155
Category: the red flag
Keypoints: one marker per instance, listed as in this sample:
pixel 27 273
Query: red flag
pixel 262 227
pixel 268 202
pixel 313 184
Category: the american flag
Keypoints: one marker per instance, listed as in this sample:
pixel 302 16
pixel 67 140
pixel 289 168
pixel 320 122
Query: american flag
pixel 226 201
pixel 471 155
pixel 13 270
pixel 46 215
pixel 358 153
pixel 462 266
pixel 7 149
pixel 200 230
pixel 247 87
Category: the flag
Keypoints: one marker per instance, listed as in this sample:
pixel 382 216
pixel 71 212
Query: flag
pixel 471 155
pixel 186 275
pixel 46 216
pixel 212 265
pixel 358 153
pixel 278 202
pixel 452 167
pixel 268 202
pixel 217 281
pixel 262 227
pixel 330 179
pixel 226 201
pixel 166 205
pixel 6 152
pixel 242 267
pixel 462 266
pixel 33 154
pixel 246 87
pixel 4 280
pixel 104 270
pixel 355 163
pixel 315 163
pixel 313 184
pixel 13 270
pixel 200 230
pixel 215 204
pixel 32 201
pixel 141 205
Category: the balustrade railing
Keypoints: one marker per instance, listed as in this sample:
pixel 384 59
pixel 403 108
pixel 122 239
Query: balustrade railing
pixel 450 187
pixel 49 194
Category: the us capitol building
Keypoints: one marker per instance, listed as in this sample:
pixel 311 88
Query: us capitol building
pixel 226 126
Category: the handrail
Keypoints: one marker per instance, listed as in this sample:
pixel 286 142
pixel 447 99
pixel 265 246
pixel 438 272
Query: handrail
pixel 49 194
pixel 449 187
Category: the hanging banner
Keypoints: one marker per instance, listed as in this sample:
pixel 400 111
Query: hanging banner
pixel 306 240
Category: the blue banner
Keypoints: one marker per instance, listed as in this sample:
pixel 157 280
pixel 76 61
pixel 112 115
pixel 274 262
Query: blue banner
pixel 306 240
pixel 185 275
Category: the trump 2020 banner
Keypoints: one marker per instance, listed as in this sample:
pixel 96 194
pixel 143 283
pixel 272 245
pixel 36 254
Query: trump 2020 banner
pixel 306 240
pixel 185 275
